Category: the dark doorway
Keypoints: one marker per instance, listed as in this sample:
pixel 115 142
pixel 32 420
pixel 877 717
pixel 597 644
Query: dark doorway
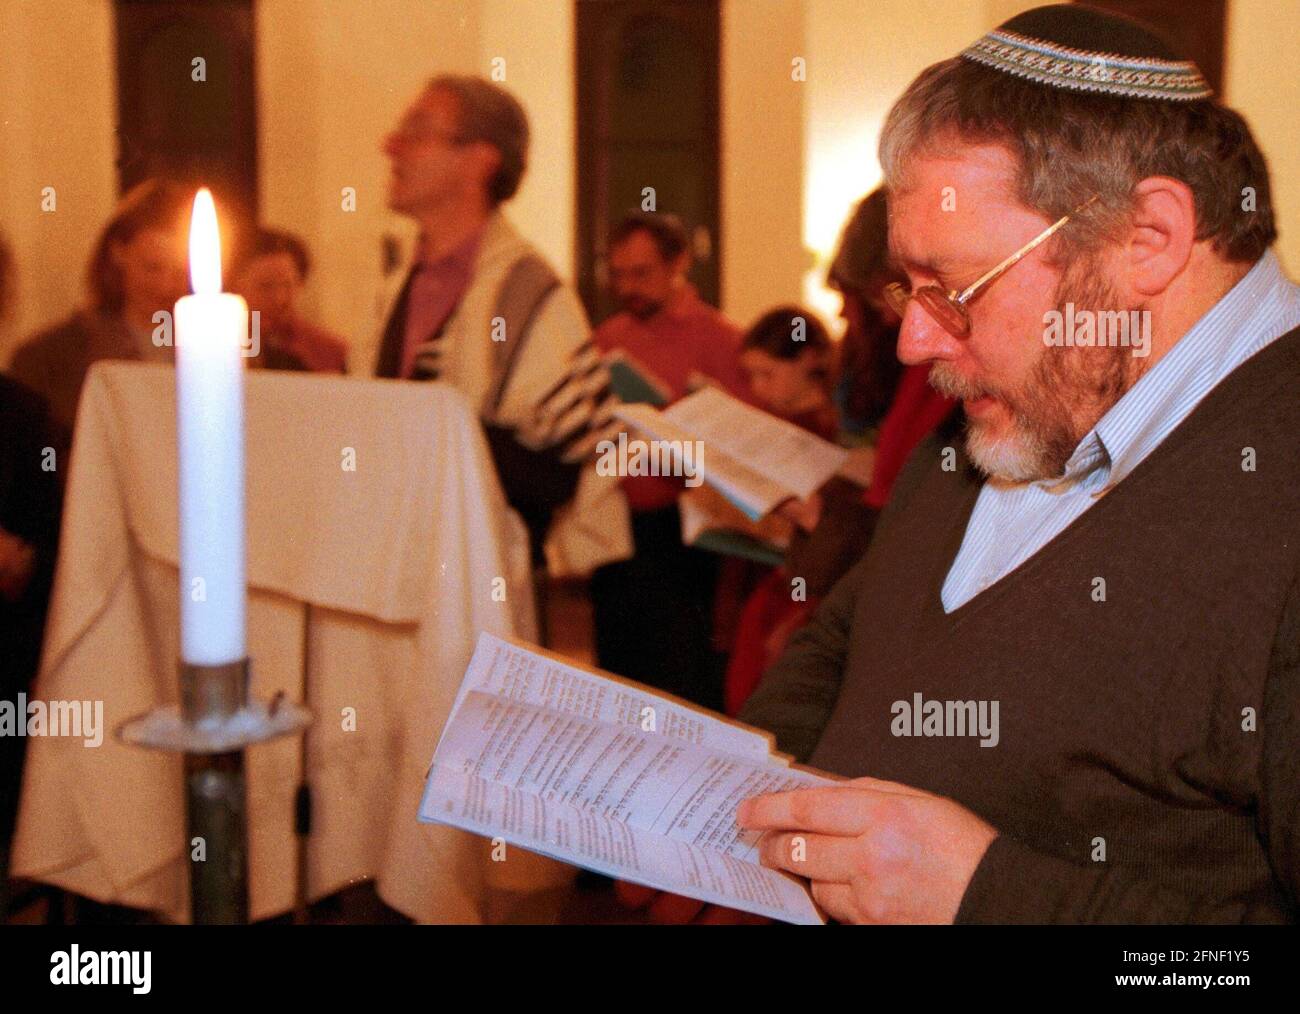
pixel 1195 30
pixel 647 97
pixel 203 132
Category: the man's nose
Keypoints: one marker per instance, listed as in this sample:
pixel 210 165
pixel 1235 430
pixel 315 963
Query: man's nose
pixel 389 144
pixel 921 339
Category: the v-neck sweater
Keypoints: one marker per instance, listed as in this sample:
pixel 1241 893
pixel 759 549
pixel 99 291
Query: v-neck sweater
pixel 1145 665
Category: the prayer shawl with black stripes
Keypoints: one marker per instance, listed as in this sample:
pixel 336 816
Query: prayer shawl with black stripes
pixel 518 347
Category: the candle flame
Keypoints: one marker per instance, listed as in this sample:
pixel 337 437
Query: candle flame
pixel 205 245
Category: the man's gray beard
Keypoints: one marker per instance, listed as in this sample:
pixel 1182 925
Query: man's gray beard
pixel 1067 392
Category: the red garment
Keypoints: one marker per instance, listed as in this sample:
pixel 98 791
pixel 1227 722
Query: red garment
pixel 436 287
pixel 823 421
pixel 753 600
pixel 917 409
pixel 739 580
pixel 768 607
pixel 686 337
pixel 318 350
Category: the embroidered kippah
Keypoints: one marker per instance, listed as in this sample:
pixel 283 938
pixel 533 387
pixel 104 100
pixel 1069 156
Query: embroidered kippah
pixel 1087 50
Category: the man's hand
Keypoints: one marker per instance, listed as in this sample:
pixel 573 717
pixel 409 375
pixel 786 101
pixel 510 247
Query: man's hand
pixel 804 513
pixel 876 852
pixel 859 466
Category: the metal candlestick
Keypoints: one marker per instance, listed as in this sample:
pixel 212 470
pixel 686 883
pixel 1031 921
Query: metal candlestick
pixel 215 723
pixel 214 796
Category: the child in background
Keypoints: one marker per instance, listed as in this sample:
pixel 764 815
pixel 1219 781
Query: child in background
pixel 788 358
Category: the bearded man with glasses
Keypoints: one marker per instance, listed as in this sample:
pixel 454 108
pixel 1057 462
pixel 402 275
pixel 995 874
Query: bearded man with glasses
pixel 1110 565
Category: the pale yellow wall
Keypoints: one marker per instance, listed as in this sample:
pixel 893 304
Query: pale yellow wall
pixel 998 11
pixel 796 155
pixel 329 89
pixel 861 58
pixel 535 39
pixel 1261 83
pixel 762 154
pixel 56 130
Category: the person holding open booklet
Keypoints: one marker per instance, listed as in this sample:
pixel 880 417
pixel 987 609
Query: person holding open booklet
pixel 611 776
pixel 653 613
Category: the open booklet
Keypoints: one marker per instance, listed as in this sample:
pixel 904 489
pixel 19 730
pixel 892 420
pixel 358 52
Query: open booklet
pixel 751 457
pixel 607 774
pixel 634 382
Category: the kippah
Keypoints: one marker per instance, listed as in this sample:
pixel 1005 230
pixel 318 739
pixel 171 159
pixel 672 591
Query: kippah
pixel 1083 49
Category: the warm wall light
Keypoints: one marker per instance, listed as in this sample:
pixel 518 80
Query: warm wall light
pixel 840 170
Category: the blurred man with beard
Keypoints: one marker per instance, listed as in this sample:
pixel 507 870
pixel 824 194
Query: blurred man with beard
pixel 1112 562
pixel 653 613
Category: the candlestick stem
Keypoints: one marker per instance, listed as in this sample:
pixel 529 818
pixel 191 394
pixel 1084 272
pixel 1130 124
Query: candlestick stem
pixel 215 797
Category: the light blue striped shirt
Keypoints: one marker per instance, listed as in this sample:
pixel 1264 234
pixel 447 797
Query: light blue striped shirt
pixel 1012 521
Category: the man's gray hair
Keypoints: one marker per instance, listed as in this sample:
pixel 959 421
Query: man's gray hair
pixel 487 112
pixel 1070 146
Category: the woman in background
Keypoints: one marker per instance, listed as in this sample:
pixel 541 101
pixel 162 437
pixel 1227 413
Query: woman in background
pixel 869 366
pixel 137 268
pixel 788 358
pixel 271 279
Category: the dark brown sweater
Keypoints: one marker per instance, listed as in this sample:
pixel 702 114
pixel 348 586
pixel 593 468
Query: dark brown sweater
pixel 1121 721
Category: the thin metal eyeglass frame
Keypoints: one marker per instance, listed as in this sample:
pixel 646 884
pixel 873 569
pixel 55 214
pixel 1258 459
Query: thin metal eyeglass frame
pixel 899 297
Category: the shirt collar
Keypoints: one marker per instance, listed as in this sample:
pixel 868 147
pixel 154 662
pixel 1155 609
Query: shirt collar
pixel 461 256
pixel 1210 350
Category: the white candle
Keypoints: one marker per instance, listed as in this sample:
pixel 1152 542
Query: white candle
pixel 211 328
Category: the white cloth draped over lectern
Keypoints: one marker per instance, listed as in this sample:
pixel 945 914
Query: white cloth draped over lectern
pixel 373 501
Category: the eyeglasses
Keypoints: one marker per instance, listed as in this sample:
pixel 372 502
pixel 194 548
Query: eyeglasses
pixel 407 135
pixel 948 308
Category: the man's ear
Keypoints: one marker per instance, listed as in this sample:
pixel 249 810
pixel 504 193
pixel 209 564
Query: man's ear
pixel 488 160
pixel 1161 233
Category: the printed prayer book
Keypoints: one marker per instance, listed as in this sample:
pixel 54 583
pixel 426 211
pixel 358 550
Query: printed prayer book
pixel 610 775
pixel 751 457
pixel 634 382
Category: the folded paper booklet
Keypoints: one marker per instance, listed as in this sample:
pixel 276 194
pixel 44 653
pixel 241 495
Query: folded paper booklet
pixel 751 457
pixel 607 774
